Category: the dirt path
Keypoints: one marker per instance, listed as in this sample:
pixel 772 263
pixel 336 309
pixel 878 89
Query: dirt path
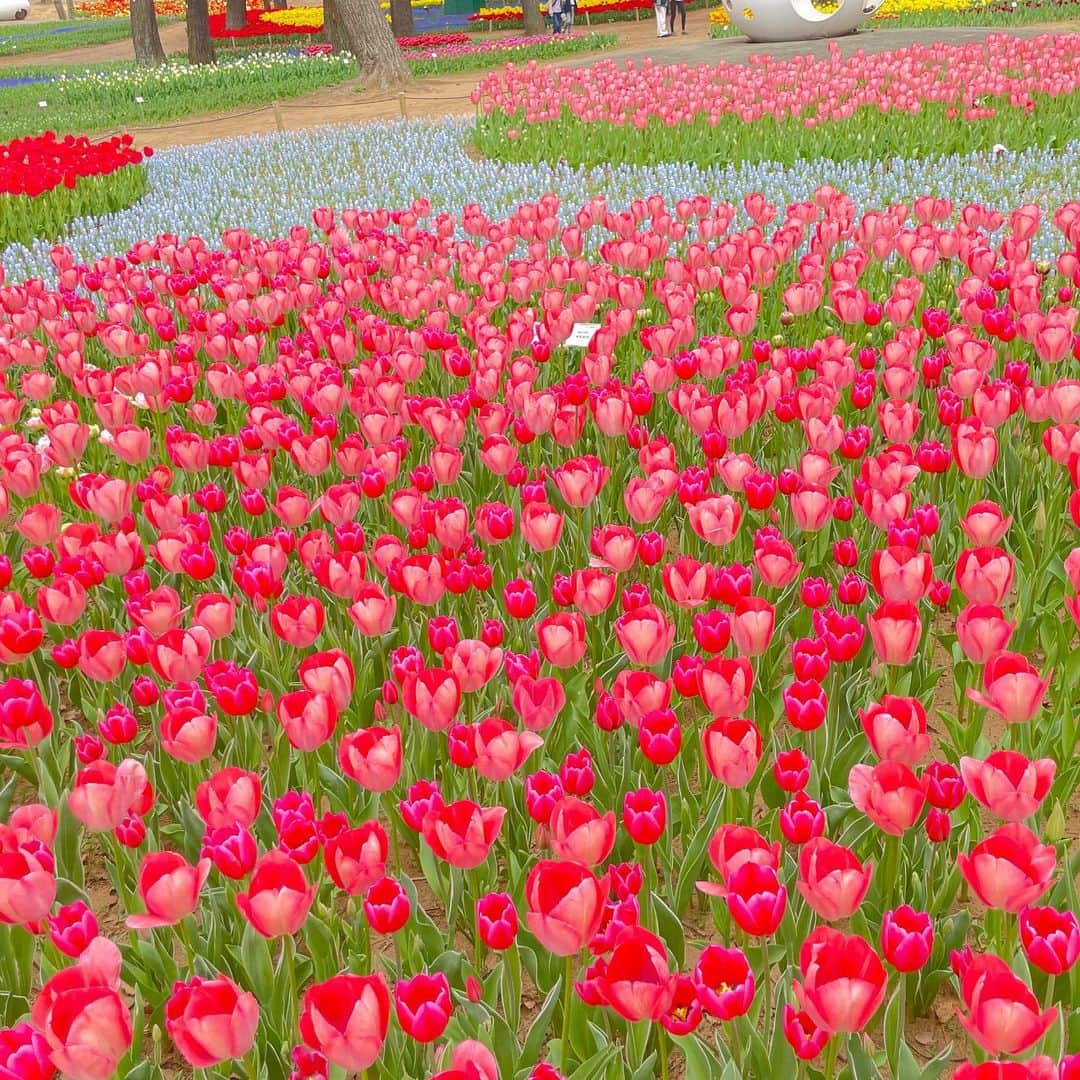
pixel 428 98
pixel 435 97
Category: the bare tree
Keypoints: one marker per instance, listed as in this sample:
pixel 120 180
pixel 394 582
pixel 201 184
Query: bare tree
pixel 64 10
pixel 401 20
pixel 531 19
pixel 144 34
pixel 235 14
pixel 200 48
pixel 372 43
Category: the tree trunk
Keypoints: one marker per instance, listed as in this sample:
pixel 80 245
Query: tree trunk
pixel 333 28
pixel 532 22
pixel 200 49
pixel 372 43
pixel 401 20
pixel 60 13
pixel 235 14
pixel 71 9
pixel 144 34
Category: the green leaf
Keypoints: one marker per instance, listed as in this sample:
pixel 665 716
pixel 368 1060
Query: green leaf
pixel 894 1018
pixel 859 1063
pixel 594 1066
pixel 648 1070
pixel 258 968
pixel 699 1061
pixel 669 928
pixel 530 1053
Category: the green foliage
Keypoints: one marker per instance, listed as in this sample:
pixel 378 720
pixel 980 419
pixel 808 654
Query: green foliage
pixel 24 218
pixel 108 97
pixel 482 61
pixel 866 136
pixel 23 39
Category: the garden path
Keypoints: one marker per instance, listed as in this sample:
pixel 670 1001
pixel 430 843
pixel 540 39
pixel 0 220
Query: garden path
pixel 436 97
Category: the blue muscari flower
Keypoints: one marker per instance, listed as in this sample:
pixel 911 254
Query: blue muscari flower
pixel 268 183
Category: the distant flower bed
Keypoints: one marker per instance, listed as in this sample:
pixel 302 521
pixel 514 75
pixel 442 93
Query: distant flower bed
pixel 511 13
pixel 46 181
pixel 295 20
pixel 177 9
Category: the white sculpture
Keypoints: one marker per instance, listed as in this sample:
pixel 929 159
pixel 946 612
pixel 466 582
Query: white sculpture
pixel 796 20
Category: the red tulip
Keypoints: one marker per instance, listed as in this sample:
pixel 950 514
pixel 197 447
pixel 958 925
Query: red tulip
pixel 1014 688
pixel 86 1025
pixel 1051 938
pixel 803 1035
pixel 27 886
pixel 278 898
pixel 230 796
pixel 982 631
pixel 1003 1015
pixel 724 982
pixel 889 794
pixel 307 718
pixel 565 904
pixel 843 980
pixel 580 833
pixel 462 832
pixel 637 981
pixel 423 1006
pixel 896 729
pixel 732 749
pixel 25 719
pixel 346 1018
pixel 1010 869
pixel 104 794
pixel 372 757
pixel 1009 785
pixel 907 938
pixel 561 638
pixel 169 887
pixel 831 879
pixel 500 749
pixel 496 920
pixel 387 906
pixel 356 858
pixel 895 629
pixel 211 1020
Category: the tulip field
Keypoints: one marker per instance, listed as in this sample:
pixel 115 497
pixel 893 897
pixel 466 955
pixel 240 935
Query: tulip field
pixel 599 613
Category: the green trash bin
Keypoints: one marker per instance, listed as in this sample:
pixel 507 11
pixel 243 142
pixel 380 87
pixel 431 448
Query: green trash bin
pixel 461 7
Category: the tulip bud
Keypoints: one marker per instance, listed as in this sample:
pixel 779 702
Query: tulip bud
pixel 1054 830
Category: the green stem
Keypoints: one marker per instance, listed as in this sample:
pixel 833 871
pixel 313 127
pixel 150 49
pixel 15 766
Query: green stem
pixel 831 1049
pixel 662 1031
pixel 289 946
pixel 568 990
pixel 1051 981
pixel 766 988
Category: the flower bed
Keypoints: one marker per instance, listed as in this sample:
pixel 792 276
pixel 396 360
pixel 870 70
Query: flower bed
pixel 119 95
pixel 287 21
pixel 511 13
pixel 387 653
pixel 46 182
pixel 177 9
pixel 950 12
pixel 935 98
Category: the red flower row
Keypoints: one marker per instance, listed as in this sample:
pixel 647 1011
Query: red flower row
pixel 35 165
pixel 256 28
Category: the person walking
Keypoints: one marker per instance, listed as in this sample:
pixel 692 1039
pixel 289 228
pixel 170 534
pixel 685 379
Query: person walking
pixel 555 10
pixel 676 7
pixel 569 11
pixel 661 7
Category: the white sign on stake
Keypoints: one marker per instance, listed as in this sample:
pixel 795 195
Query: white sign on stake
pixel 582 334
